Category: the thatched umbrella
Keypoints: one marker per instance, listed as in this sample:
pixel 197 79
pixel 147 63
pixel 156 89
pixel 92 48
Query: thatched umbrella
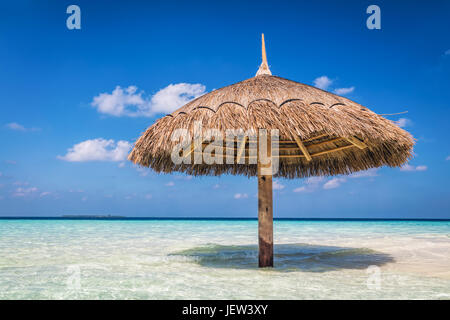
pixel 320 134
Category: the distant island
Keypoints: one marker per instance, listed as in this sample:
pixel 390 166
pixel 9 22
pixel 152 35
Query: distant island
pixel 91 216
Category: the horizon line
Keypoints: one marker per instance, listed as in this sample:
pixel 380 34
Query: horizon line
pixel 100 217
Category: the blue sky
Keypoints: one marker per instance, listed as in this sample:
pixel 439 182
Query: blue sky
pixel 50 78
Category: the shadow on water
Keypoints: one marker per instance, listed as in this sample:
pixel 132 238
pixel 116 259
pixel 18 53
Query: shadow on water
pixel 287 257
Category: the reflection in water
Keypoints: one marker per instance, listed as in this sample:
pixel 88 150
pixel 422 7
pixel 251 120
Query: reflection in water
pixel 287 257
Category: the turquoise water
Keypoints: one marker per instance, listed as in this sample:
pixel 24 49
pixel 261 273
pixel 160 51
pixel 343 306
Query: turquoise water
pixel 217 259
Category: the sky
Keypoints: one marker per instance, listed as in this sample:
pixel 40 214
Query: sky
pixel 75 100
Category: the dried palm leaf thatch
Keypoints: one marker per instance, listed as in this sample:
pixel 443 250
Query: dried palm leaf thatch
pixel 319 134
pixel 341 136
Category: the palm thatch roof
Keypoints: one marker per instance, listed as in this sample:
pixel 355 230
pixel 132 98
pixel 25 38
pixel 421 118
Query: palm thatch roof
pixel 320 133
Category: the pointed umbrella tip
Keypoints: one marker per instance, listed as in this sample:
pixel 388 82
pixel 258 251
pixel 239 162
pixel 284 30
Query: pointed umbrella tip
pixel 264 67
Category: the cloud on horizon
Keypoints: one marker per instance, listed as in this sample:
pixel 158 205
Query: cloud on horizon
pixel 333 183
pixel 129 102
pixel 311 184
pixel 18 127
pixel 98 150
pixel 409 168
pixel 23 192
pixel 364 174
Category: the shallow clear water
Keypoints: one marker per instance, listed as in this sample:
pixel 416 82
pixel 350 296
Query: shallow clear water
pixel 210 259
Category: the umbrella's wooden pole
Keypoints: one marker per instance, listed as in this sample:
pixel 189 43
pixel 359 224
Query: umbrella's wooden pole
pixel 265 210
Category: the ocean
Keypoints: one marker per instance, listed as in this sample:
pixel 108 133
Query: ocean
pixel 217 259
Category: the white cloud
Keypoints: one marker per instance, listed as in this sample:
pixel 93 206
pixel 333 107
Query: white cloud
pixel 98 150
pixel 183 177
pixel 44 194
pixel 119 100
pixel 447 53
pixel 23 192
pixel 277 186
pixel 170 184
pixel 20 183
pixel 148 196
pixel 15 126
pixel 448 158
pixel 311 184
pixel 76 191
pixel 131 103
pixel 408 167
pixel 403 122
pixel 314 180
pixel 216 186
pixel 344 91
pixel 300 189
pixel 121 165
pixel 333 183
pixel 366 173
pixel 241 196
pixel 18 127
pixel 12 162
pixel 322 82
pixel 174 96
